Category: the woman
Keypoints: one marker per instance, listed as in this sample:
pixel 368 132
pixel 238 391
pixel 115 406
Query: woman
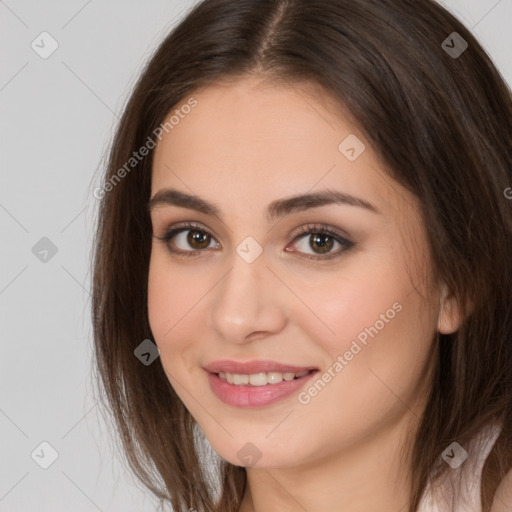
pixel 303 262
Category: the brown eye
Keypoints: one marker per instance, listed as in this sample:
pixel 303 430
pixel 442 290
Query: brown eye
pixel 188 240
pixel 198 239
pixel 321 242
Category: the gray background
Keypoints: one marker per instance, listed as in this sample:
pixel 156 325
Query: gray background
pixel 57 116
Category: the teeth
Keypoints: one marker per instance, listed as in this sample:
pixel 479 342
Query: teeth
pixel 259 379
pixel 240 379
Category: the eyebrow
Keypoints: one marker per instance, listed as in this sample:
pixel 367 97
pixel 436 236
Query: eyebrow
pixel 275 210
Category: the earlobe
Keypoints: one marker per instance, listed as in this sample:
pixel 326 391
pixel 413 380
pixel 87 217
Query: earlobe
pixel 449 318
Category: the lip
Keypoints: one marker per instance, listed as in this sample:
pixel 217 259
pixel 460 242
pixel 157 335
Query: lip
pixel 256 366
pixel 247 396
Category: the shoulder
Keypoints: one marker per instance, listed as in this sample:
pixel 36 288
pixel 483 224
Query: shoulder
pixel 503 497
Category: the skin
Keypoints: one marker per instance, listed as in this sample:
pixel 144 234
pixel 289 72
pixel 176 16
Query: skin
pixel 245 144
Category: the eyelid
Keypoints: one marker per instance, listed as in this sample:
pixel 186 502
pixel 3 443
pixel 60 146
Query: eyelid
pixel 321 228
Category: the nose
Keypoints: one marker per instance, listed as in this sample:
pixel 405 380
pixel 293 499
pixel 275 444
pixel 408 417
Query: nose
pixel 248 302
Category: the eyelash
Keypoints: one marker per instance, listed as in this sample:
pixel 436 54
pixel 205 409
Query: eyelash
pixel 309 229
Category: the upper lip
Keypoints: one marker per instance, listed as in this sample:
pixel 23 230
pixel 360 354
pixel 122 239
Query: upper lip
pixel 255 366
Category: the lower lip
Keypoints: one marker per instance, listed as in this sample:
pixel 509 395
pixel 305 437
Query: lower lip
pixel 255 396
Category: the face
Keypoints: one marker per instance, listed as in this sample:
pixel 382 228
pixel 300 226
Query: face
pixel 274 289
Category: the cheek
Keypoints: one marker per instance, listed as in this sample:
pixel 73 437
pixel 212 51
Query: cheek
pixel 379 354
pixel 167 297
pixel 345 304
pixel 373 369
pixel 373 319
pixel 162 294
pixel 176 302
pixel 171 293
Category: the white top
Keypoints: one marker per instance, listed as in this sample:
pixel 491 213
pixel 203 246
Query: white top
pixel 468 474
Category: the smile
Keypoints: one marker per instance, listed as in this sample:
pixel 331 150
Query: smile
pixel 260 379
pixel 256 383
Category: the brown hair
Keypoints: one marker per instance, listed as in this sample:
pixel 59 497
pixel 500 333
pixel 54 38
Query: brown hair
pixel 441 123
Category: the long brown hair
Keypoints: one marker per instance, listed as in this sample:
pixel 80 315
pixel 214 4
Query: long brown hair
pixel 442 124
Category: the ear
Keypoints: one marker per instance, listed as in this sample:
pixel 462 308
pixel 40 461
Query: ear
pixel 450 317
pixel 503 495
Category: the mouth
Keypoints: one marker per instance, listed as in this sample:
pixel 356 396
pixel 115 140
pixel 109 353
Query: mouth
pixel 256 383
pixel 261 378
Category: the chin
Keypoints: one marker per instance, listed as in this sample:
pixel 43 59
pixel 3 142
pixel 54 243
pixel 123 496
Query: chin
pixel 258 455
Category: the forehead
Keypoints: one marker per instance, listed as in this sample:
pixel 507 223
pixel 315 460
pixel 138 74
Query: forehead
pixel 249 115
pixel 252 139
